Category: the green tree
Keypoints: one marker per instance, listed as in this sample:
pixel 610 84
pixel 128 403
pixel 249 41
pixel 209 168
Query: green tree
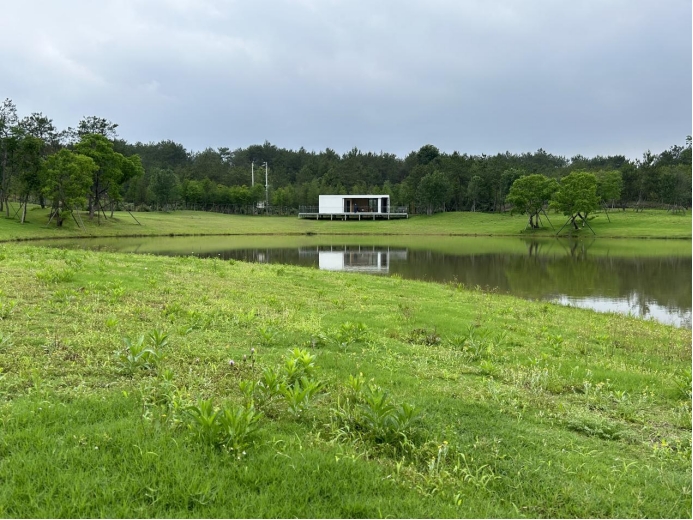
pixel 426 154
pixel 113 169
pixel 192 192
pixel 163 186
pixel 8 141
pixel 529 194
pixel 676 186
pixel 508 177
pixel 577 196
pixel 434 190
pixel 68 179
pixel 97 125
pixel 283 197
pixel 609 186
pixel 30 162
pixel 474 191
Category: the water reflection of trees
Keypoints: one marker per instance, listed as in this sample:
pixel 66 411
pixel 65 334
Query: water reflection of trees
pixel 664 280
pixel 547 269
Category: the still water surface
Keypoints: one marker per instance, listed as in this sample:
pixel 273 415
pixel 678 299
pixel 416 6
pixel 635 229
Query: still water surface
pixel 647 278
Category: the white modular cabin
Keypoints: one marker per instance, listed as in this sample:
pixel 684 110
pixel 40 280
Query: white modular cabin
pixel 344 207
pixel 341 204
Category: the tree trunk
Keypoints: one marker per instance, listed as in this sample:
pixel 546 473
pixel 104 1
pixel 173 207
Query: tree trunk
pixel 94 200
pixel 26 201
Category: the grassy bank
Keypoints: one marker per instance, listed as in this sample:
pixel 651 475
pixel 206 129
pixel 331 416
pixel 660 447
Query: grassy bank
pixel 453 245
pixel 520 408
pixel 648 224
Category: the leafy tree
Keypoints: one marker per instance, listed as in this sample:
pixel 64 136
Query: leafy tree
pixel 529 194
pixel 474 191
pixel 192 192
pixel 434 191
pixel 675 186
pixel 427 154
pixel 163 186
pixel 113 169
pixel 508 178
pixel 97 125
pixel 30 162
pixel 68 179
pixel 41 127
pixel 577 196
pixel 609 186
pixel 282 197
pixel 8 140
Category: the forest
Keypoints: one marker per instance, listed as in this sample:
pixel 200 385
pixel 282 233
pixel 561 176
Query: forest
pixel 90 167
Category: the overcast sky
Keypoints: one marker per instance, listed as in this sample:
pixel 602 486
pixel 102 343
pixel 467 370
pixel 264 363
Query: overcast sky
pixel 476 76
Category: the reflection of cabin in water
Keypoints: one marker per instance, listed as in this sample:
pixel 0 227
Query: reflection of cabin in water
pixel 365 259
pixel 344 207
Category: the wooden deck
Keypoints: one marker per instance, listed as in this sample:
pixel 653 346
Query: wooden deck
pixel 353 216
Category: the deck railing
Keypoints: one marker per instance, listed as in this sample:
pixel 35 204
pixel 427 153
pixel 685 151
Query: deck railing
pixel 315 209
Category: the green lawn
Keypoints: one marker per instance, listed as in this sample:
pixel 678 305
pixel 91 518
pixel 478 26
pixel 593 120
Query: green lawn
pixel 647 224
pixel 521 409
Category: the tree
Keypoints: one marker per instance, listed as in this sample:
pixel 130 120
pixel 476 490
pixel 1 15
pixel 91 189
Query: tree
pixel 609 186
pixel 434 190
pixel 508 177
pixel 192 192
pixel 68 179
pixel 676 186
pixel 97 125
pixel 30 162
pixel 426 154
pixel 474 190
pixel 282 197
pixel 41 127
pixel 577 196
pixel 113 169
pixel 163 186
pixel 8 139
pixel 529 194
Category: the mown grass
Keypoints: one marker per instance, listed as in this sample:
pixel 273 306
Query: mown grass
pixel 520 408
pixel 647 224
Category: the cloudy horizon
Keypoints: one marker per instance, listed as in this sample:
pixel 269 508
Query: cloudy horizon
pixel 589 77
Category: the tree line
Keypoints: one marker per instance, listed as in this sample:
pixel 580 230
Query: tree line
pixel 91 167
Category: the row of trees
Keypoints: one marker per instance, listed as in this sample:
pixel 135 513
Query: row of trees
pixel 426 180
pixel 66 170
pixel 39 163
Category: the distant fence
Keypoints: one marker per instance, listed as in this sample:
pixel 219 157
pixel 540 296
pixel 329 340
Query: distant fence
pixel 229 209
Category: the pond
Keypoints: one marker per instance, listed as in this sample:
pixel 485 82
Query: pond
pixel 647 278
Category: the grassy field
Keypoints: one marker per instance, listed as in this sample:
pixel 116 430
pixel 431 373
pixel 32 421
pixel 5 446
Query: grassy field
pixel 347 396
pixel 648 224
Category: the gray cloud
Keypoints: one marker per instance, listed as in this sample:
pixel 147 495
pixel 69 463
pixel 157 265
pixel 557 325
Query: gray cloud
pixel 590 76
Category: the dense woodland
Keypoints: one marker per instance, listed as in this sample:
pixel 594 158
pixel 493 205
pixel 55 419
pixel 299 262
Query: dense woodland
pixel 89 167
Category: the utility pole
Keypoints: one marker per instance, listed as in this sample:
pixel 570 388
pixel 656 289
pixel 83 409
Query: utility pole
pixel 252 174
pixel 266 186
